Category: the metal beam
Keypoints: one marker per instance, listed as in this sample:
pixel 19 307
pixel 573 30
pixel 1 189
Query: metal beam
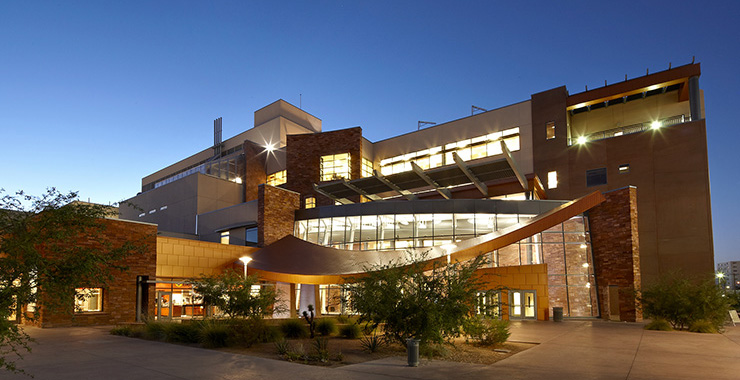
pixel 343 201
pixel 357 190
pixel 420 172
pixel 510 159
pixel 465 169
pixel 407 194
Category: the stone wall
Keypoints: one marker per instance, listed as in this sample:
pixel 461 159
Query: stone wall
pixel 119 296
pixel 276 213
pixel 254 169
pixel 304 159
pixel 521 277
pixel 616 250
pixel 186 258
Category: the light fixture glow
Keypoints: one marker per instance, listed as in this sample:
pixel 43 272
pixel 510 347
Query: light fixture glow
pixel 585 265
pixel 656 125
pixel 245 260
pixel 583 245
pixel 238 180
pixel 270 147
pixel 720 275
pixel 581 140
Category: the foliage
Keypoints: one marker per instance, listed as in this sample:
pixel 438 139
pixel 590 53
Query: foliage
pixel 326 327
pixel 182 333
pixel 321 346
pixel 246 332
pixel 487 331
pixel 36 253
pixel 122 330
pixel 734 299
pixel 659 324
pixel 414 301
pixel 214 334
pixel 341 318
pixel 350 331
pixel 282 347
pixel 309 318
pixel 682 300
pixel 372 343
pixel 434 350
pixel 154 330
pixel 231 292
pixel 703 326
pixel 293 328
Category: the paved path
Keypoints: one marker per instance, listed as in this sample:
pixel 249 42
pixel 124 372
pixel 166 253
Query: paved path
pixel 569 350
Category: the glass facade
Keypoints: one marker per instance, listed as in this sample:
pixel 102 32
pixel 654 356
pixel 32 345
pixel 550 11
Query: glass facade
pixel 335 166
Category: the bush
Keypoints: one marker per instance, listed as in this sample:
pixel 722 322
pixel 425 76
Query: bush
pixel 246 332
pixel 121 330
pixel 282 347
pixel 433 350
pixel 341 318
pixel 487 331
pixel 154 331
pixel 294 328
pixel 182 333
pixel 659 324
pixel 703 326
pixel 321 346
pixel 214 334
pixel 682 301
pixel 326 327
pixel 350 331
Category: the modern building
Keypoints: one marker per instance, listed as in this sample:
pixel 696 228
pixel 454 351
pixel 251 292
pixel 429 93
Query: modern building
pixel 573 198
pixel 728 274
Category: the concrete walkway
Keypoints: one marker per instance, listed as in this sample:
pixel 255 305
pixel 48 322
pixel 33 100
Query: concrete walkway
pixel 569 350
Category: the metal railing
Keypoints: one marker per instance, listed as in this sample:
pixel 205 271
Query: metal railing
pixel 634 128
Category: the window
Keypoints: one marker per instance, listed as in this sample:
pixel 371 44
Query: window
pixel 552 180
pixel 278 178
pixel 252 237
pixel 550 130
pixel 309 202
pixel 335 166
pixel 367 168
pixel 88 299
pixel 624 168
pixel 596 177
pixel 225 237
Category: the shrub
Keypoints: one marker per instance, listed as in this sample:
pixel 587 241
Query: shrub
pixel 214 334
pixel 182 332
pixel 321 346
pixel 341 318
pixel 154 330
pixel 487 331
pixel 682 301
pixel 703 326
pixel 282 347
pixel 372 343
pixel 293 328
pixel 326 327
pixel 121 330
pixel 433 350
pixel 246 332
pixel 350 331
pixel 231 292
pixel 659 324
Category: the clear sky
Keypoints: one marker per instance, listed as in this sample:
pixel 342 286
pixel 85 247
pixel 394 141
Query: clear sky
pixel 96 95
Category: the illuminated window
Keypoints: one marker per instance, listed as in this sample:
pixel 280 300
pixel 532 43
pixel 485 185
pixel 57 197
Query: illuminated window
pixel 624 168
pixel 550 130
pixel 367 168
pixel 335 166
pixel 468 149
pixel 88 299
pixel 309 202
pixel 225 237
pixel 552 180
pixel 278 178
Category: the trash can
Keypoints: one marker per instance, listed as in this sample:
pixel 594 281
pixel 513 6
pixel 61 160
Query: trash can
pixel 557 314
pixel 412 349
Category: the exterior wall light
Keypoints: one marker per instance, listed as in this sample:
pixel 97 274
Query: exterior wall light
pixel 238 180
pixel 656 125
pixel 581 140
pixel 270 147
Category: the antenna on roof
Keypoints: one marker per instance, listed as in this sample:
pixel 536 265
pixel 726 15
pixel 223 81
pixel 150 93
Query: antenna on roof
pixel 424 124
pixel 475 108
pixel 669 65
pixel 300 101
pixel 693 57
pixel 217 137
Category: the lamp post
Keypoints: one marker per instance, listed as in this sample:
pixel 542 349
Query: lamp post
pixel 245 260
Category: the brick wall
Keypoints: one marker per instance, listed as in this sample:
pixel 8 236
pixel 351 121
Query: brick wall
pixel 119 296
pixel 616 250
pixel 276 213
pixel 254 169
pixel 303 159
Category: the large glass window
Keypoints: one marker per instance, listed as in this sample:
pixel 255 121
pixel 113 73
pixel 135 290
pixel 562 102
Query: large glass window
pixel 367 168
pixel 88 299
pixel 277 178
pixel 335 166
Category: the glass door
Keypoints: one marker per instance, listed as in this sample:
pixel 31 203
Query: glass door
pixel 164 305
pixel 523 304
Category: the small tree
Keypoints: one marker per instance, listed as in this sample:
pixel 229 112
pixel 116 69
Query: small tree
pixel 683 301
pixel 232 293
pixel 309 317
pixel 40 264
pixel 414 301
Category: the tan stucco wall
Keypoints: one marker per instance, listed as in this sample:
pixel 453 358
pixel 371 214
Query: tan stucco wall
pixel 190 258
pixel 524 277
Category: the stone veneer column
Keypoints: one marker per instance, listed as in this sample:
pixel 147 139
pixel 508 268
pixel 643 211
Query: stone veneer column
pixel 276 213
pixel 616 250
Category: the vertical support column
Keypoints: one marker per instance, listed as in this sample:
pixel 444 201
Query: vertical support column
pixel 695 98
pixel 293 311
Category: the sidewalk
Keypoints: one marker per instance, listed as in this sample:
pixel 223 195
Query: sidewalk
pixel 568 350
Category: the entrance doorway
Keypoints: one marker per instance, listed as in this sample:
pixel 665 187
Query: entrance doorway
pixel 523 304
pixel 164 305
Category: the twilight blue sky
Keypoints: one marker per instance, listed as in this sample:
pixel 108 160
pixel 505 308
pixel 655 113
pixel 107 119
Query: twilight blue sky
pixel 95 95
